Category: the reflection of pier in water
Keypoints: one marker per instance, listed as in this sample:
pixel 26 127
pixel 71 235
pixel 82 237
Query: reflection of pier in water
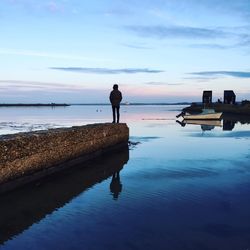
pixel 23 207
pixel 230 120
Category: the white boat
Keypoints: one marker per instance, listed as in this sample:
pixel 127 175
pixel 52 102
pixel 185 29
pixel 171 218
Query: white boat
pixel 206 114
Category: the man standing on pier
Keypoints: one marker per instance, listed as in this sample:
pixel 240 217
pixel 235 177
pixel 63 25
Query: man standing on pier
pixel 115 99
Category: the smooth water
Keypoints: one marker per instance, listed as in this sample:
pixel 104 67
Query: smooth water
pixel 177 187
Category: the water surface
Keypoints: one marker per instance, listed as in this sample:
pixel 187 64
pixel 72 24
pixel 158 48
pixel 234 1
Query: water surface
pixel 178 187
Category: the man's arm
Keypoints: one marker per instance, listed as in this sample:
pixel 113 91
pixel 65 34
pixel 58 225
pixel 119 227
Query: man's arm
pixel 110 97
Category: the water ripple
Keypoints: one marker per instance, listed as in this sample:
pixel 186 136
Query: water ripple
pixel 182 173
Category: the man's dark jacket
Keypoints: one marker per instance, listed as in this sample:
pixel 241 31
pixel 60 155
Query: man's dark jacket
pixel 115 97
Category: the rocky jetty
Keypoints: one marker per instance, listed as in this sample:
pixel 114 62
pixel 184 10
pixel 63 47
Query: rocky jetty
pixel 28 156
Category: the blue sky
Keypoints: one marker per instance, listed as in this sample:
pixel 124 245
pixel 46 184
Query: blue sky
pixel 156 50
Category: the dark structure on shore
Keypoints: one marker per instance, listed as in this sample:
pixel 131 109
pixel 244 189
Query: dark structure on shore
pixel 207 96
pixel 228 106
pixel 229 97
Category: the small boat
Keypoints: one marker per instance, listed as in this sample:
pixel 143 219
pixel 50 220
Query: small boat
pixel 206 114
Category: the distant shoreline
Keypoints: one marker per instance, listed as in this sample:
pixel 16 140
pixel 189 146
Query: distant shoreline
pixel 34 105
pixel 83 104
pixel 131 104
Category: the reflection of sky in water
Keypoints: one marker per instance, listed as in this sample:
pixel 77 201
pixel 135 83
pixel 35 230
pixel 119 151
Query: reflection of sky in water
pixel 14 120
pixel 183 188
pixel 233 134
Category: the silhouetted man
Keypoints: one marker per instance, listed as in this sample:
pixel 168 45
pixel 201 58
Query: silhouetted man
pixel 115 99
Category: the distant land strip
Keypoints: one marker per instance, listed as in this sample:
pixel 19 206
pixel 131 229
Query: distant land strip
pixel 33 104
pixel 134 103
pixel 81 104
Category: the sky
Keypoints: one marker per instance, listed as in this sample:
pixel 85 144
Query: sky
pixel 73 51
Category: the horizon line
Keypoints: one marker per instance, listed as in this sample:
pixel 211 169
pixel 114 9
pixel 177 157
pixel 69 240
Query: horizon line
pixel 105 104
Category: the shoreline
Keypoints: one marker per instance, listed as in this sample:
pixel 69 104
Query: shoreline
pixel 34 105
pixel 84 104
pixel 237 109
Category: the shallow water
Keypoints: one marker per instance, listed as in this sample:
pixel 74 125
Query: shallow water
pixel 177 188
pixel 14 120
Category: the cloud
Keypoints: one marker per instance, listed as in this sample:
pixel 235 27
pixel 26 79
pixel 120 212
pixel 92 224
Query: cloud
pixel 19 91
pixel 162 83
pixel 239 7
pixel 38 6
pixel 201 79
pixel 210 46
pixel 217 74
pixel 23 86
pixel 52 6
pixel 238 40
pixel 134 46
pixel 244 40
pixel 177 32
pixel 107 71
pixel 119 12
pixel 33 53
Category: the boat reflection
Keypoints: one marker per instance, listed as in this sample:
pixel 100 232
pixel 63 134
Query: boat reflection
pixel 227 124
pixel 23 207
pixel 206 125
pixel 214 123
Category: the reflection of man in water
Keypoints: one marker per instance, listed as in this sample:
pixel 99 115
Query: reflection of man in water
pixel 115 185
pixel 115 99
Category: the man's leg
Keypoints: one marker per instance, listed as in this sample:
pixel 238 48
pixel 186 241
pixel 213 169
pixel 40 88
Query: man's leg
pixel 113 109
pixel 118 113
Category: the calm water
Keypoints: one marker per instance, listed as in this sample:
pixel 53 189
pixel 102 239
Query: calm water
pixel 180 187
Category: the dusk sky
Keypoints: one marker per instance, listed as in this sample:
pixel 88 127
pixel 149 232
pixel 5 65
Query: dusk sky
pixel 156 50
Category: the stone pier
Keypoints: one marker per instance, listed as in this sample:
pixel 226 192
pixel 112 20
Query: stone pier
pixel 25 157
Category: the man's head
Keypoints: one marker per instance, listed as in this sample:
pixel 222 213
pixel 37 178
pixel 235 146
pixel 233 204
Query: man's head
pixel 115 86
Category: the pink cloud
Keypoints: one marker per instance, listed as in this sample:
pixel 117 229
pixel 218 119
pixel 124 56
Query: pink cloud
pixel 52 6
